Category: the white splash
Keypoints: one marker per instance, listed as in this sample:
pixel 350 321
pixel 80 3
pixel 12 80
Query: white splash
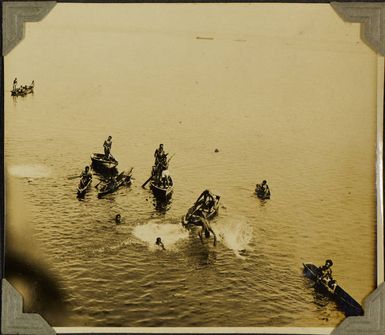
pixel 29 171
pixel 168 232
pixel 235 233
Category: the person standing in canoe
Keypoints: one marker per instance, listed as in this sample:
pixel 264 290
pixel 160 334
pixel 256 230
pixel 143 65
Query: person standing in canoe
pixel 14 84
pixel 107 145
pixel 159 154
pixel 160 162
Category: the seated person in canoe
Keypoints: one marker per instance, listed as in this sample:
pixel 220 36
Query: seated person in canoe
pixel 85 177
pixel 165 179
pixel 326 274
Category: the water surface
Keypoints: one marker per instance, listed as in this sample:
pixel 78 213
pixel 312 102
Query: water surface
pixel 280 101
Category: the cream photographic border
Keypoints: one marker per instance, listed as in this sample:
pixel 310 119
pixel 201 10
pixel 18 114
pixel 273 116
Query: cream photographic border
pixel 371 16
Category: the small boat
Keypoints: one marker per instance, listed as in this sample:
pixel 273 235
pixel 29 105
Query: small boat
pixel 82 188
pixel 23 90
pixel 345 302
pixel 112 185
pixel 100 161
pixel 208 212
pixel 160 189
pixel 261 192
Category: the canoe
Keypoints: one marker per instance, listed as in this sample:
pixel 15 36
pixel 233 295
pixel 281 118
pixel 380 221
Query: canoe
pixel 99 161
pixel 123 179
pixel 22 91
pixel 209 213
pixel 344 301
pixel 82 189
pixel 261 193
pixel 160 191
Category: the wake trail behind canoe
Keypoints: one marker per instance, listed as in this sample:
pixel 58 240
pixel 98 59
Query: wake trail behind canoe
pixel 168 232
pixel 235 233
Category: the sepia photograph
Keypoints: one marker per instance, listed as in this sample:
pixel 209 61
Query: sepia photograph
pixel 192 165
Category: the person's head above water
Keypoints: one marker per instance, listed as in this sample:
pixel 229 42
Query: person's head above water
pixel 118 218
pixel 328 263
pixel 158 240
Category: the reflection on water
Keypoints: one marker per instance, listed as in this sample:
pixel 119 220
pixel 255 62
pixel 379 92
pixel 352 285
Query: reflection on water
pixel 269 118
pixel 161 204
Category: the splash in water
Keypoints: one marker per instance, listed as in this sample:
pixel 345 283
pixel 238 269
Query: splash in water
pixel 235 233
pixel 168 232
pixel 29 171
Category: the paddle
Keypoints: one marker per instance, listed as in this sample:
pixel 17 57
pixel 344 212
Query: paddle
pixel 73 177
pixel 168 161
pixel 148 180
pixel 96 186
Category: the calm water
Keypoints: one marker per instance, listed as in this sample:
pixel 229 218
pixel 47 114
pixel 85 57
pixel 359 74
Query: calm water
pixel 272 115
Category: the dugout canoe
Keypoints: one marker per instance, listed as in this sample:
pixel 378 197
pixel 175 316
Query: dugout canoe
pixel 345 302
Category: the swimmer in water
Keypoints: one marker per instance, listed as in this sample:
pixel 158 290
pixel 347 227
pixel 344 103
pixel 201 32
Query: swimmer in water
pixel 206 228
pixel 160 243
pixel 118 219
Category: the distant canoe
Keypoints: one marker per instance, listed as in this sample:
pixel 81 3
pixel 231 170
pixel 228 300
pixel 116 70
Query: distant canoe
pixel 100 161
pixel 346 303
pixel 22 91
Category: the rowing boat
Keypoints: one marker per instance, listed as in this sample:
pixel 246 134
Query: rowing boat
pixel 99 161
pixel 193 213
pixel 82 188
pixel 160 191
pixel 21 91
pixel 123 179
pixel 346 303
pixel 162 186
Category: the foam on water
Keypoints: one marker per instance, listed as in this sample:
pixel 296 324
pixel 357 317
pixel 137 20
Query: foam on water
pixel 235 233
pixel 168 232
pixel 29 171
